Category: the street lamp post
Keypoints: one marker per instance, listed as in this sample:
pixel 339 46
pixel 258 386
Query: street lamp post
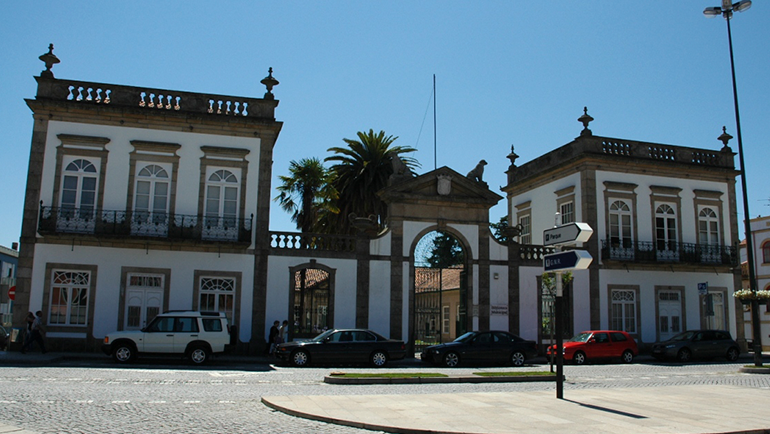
pixel 726 10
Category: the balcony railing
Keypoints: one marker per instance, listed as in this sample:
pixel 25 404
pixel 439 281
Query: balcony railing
pixel 668 251
pixel 142 224
pixel 308 241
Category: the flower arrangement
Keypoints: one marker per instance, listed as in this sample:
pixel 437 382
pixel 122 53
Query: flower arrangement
pixel 747 295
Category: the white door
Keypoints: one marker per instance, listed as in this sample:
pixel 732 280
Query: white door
pixel 144 300
pixel 669 314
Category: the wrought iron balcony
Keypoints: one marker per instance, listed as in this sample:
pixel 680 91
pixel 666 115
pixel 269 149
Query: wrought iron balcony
pixel 668 251
pixel 142 224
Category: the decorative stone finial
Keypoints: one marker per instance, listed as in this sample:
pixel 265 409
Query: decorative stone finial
pixel 269 83
pixel 512 156
pixel 585 120
pixel 50 60
pixel 724 138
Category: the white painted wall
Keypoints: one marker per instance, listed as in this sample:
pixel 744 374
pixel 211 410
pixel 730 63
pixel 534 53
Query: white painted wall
pixel 117 170
pixel 528 299
pixel 279 287
pixel 379 297
pixel 648 280
pixel 109 262
pixel 498 296
pixel 645 212
pixel 544 205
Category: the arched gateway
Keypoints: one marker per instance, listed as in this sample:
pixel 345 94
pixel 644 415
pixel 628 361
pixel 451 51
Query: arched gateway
pixel 376 280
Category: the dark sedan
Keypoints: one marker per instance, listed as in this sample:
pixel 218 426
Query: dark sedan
pixel 697 344
pixel 351 346
pixel 481 348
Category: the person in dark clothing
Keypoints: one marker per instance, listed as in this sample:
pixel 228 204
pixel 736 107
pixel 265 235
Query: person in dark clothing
pixel 273 337
pixel 36 333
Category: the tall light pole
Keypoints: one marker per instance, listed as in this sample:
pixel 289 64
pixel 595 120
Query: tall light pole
pixel 726 10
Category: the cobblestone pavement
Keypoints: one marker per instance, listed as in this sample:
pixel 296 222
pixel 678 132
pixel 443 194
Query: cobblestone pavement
pixel 98 396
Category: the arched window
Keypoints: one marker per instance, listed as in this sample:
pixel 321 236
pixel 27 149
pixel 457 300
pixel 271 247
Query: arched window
pixel 78 195
pixel 620 224
pixel 217 294
pixel 708 227
pixel 221 209
pixel 311 298
pixel 766 252
pixel 667 248
pixel 151 194
pixel 665 227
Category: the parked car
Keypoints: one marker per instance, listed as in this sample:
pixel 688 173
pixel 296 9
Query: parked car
pixel 701 344
pixel 599 344
pixel 481 348
pixel 5 338
pixel 348 346
pixel 195 335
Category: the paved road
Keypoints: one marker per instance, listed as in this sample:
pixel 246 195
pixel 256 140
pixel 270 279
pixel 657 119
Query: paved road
pixel 97 396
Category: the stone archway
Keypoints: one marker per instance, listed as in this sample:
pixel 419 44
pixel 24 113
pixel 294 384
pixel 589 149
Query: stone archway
pixel 439 292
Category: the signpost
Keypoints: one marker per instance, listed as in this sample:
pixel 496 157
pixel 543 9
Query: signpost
pixel 558 262
pixel 569 233
pixel 12 293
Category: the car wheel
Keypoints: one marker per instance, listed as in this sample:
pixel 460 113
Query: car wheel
pixel 300 358
pixel 518 358
pixel 627 357
pixel 124 353
pixel 732 354
pixel 579 358
pixel 451 359
pixel 684 355
pixel 378 359
pixel 199 355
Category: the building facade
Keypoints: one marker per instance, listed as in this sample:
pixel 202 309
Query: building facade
pixel 665 232
pixel 760 234
pixel 144 200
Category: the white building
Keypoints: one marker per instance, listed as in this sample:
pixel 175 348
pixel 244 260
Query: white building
pixel 664 222
pixel 143 200
pixel 760 238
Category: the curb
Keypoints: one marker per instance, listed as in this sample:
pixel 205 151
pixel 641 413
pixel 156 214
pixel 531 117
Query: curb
pixel 435 380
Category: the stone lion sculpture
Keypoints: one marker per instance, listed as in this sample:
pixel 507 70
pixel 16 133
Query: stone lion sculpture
pixel 477 174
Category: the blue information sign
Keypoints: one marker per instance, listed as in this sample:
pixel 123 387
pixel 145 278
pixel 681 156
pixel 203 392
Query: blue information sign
pixel 569 260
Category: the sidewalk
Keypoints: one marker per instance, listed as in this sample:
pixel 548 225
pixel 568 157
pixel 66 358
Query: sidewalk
pixel 659 410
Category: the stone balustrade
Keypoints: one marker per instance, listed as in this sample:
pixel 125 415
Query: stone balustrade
pixel 164 100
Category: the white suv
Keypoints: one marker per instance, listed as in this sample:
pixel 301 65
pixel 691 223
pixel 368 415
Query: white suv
pixel 195 335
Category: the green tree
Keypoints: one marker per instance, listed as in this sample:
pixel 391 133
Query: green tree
pixel 446 252
pixel 500 230
pixel 362 169
pixel 307 193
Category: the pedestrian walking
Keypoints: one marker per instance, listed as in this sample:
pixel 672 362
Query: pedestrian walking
pixel 37 330
pixel 283 332
pixel 27 331
pixel 272 337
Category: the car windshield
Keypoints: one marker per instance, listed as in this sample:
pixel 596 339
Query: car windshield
pixel 466 337
pixel 581 337
pixel 686 336
pixel 322 336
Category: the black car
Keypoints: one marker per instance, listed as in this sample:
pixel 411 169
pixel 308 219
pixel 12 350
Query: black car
pixel 701 344
pixel 481 348
pixel 350 346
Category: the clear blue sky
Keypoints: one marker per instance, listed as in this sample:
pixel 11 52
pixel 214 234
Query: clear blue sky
pixel 508 73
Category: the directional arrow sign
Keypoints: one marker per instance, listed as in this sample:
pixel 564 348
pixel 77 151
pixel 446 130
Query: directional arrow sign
pixel 569 260
pixel 569 233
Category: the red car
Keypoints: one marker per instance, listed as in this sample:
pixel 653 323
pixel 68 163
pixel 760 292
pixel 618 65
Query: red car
pixel 599 344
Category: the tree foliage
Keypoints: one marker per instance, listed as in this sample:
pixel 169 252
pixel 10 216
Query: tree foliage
pixel 360 170
pixel 446 252
pixel 307 193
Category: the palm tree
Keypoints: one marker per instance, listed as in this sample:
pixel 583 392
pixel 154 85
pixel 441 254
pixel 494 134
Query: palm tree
pixel 307 192
pixel 361 170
